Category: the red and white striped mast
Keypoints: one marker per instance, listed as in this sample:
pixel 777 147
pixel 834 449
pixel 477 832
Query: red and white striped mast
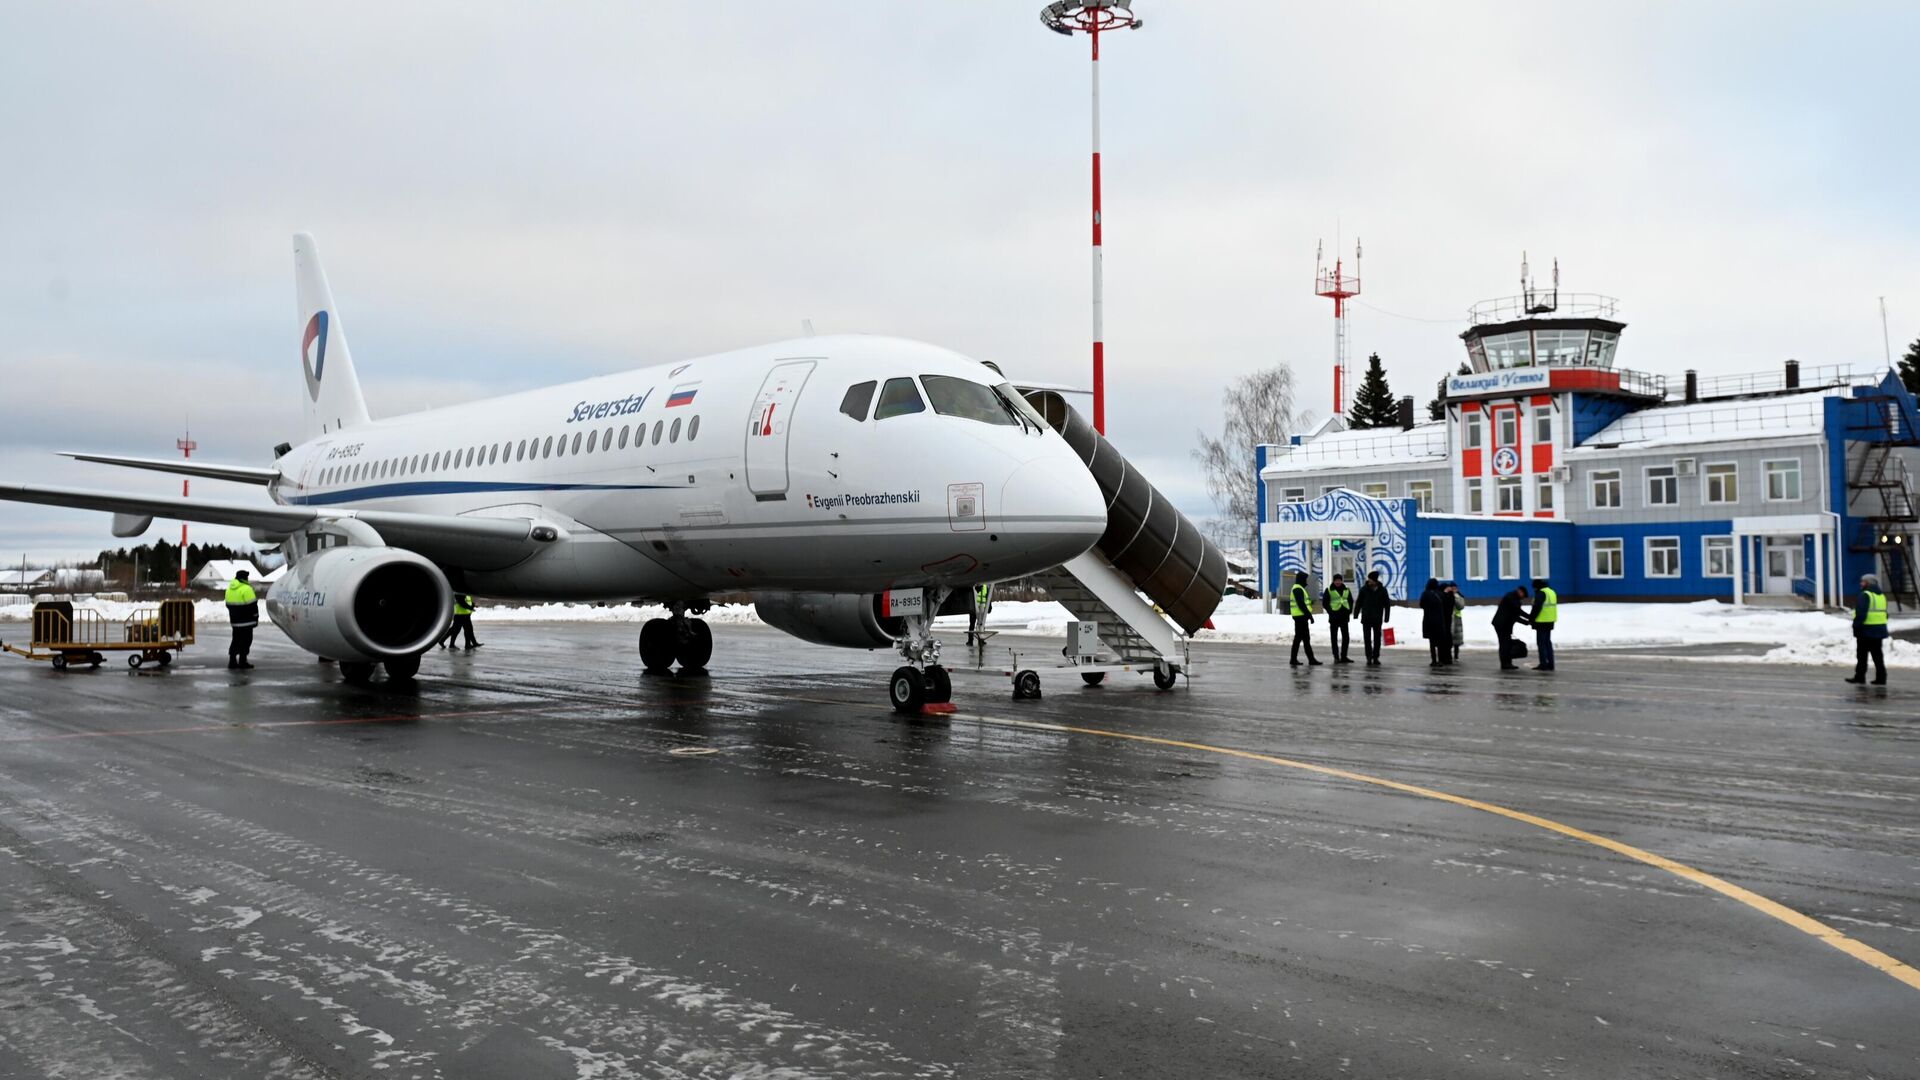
pixel 187 446
pixel 1337 285
pixel 1091 17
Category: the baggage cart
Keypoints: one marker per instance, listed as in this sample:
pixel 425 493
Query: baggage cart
pixel 64 636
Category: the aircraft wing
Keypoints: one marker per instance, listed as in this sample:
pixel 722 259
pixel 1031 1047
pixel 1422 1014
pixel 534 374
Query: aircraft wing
pixel 239 474
pixel 469 542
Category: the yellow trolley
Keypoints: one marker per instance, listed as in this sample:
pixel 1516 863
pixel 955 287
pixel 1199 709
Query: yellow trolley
pixel 66 636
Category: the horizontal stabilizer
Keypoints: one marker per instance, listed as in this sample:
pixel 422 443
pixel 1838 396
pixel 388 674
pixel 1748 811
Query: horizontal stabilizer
pixel 239 474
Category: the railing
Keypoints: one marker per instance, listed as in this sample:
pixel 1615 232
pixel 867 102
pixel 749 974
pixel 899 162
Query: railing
pixel 1401 444
pixel 1642 383
pixel 1565 306
pixel 1763 382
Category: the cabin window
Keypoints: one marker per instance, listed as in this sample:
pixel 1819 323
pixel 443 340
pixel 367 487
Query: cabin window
pixel 547 450
pixel 592 437
pixel 659 427
pixel 576 442
pixel 606 439
pixel 521 454
pixel 693 428
pixel 859 396
pixel 967 400
pixel 560 450
pixel 673 434
pixel 625 430
pixel 898 398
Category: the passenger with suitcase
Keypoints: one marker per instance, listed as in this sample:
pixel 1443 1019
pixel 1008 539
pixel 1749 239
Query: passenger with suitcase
pixel 1504 619
pixel 1374 603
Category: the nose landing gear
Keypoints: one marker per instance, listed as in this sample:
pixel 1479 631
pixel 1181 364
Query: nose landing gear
pixel 921 681
pixel 677 638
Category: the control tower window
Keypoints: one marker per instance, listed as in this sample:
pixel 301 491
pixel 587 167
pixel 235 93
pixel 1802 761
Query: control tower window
pixel 898 398
pixel 967 400
pixel 1560 347
pixel 1477 355
pixel 1510 350
pixel 1600 349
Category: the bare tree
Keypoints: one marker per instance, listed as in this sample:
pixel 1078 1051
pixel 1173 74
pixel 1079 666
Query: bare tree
pixel 1257 408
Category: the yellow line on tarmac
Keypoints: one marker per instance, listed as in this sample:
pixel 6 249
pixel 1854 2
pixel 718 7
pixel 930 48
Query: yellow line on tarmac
pixel 1859 950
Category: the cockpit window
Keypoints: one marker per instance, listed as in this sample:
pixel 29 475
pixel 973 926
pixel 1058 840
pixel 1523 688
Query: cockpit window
pixel 967 400
pixel 859 396
pixel 898 398
pixel 1022 406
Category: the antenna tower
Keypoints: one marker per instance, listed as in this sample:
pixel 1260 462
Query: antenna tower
pixel 186 446
pixel 1337 285
pixel 1535 301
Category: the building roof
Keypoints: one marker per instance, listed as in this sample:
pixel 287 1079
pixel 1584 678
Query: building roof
pixel 18 578
pixel 1424 443
pixel 1731 420
pixel 223 570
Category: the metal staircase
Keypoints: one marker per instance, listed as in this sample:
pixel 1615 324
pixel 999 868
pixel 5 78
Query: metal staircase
pixel 1092 590
pixel 1880 493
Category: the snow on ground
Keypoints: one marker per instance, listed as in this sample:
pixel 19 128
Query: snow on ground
pixel 1800 636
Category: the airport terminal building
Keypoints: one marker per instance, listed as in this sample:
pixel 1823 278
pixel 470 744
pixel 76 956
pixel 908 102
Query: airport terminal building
pixel 1613 484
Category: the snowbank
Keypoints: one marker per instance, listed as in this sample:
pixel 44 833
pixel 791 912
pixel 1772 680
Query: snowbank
pixel 1799 637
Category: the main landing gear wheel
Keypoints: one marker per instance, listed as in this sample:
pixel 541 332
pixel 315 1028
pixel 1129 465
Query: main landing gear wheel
pixel 1164 678
pixel 939 685
pixel 1093 678
pixel 908 690
pixel 657 646
pixel 403 669
pixel 359 674
pixel 695 646
pixel 1026 686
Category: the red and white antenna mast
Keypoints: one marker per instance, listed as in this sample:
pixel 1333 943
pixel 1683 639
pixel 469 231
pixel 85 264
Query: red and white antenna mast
pixel 186 446
pixel 1339 287
pixel 1092 17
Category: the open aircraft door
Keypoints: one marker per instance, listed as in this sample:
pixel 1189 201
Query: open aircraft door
pixel 768 426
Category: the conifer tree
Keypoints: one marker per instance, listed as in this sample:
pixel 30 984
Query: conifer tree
pixel 1910 367
pixel 1373 405
pixel 1437 408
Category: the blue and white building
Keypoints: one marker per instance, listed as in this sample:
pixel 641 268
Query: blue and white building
pixel 1612 484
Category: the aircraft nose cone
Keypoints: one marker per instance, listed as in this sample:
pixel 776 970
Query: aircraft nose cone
pixel 1054 505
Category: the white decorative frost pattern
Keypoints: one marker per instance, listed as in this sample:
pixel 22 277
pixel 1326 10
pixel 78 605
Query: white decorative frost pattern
pixel 1381 525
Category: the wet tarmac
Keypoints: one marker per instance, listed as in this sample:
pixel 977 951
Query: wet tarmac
pixel 539 863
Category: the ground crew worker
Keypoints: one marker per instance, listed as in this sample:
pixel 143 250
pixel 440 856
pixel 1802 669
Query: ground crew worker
pixel 243 611
pixel 1504 618
pixel 1869 631
pixel 1436 624
pixel 1300 606
pixel 462 621
pixel 1374 603
pixel 977 615
pixel 1546 612
pixel 1338 603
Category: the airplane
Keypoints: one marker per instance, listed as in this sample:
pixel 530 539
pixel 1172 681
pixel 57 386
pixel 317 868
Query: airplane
pixel 851 484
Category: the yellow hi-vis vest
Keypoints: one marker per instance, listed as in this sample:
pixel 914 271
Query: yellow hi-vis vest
pixel 463 604
pixel 239 592
pixel 982 594
pixel 1876 608
pixel 1339 599
pixel 1549 607
pixel 1298 602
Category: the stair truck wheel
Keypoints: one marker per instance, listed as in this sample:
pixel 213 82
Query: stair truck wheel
pixel 907 690
pixel 939 684
pixel 1093 678
pixel 1026 685
pixel 59 662
pixel 1165 677
pixel 656 646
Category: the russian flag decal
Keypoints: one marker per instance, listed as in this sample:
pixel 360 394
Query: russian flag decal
pixel 682 395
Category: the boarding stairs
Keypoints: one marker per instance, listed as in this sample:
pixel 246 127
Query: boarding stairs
pixel 1149 548
pixel 1880 492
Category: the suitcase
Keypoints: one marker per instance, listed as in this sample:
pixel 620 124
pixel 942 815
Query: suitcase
pixel 1386 636
pixel 1516 649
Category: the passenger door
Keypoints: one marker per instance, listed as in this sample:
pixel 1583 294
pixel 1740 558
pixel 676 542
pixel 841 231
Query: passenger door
pixel 769 425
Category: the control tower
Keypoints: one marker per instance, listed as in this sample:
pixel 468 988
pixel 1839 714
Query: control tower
pixel 1530 341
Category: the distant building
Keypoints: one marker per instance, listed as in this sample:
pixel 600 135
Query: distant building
pixel 1612 484
pixel 217 573
pixel 25 581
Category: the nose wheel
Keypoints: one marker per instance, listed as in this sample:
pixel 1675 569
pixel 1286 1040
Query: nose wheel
pixel 921 681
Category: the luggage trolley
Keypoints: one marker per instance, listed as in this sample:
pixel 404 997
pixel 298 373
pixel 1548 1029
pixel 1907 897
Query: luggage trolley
pixel 66 637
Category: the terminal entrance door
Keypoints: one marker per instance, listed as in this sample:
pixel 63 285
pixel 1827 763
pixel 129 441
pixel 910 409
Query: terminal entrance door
pixel 1347 559
pixel 1786 561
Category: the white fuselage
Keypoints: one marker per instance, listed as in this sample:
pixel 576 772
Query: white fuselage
pixel 740 472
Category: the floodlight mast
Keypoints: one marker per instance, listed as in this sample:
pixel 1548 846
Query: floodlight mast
pixel 1092 17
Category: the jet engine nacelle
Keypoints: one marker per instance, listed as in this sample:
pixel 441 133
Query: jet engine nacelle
pixel 847 620
pixel 362 604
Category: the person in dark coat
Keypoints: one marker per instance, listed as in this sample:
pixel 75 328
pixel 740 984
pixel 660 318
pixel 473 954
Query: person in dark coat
pixel 1436 624
pixel 1504 618
pixel 1300 606
pixel 1869 631
pixel 1374 604
pixel 1337 601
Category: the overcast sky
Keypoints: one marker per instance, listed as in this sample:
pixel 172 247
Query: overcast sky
pixel 511 195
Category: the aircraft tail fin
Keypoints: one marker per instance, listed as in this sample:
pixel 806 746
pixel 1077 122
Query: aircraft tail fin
pixel 333 399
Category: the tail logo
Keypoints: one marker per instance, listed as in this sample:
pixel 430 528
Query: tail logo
pixel 313 352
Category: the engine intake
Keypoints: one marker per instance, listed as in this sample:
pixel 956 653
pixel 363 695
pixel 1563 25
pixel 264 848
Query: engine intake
pixel 362 604
pixel 844 620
